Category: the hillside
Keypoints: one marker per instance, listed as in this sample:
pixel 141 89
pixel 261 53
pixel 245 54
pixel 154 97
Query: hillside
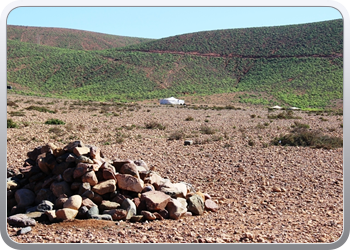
pixel 313 39
pixel 262 67
pixel 69 38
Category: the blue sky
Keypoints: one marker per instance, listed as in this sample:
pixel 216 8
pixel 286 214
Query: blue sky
pixel 159 22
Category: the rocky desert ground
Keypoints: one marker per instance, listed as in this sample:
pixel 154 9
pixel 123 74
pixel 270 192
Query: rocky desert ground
pixel 265 193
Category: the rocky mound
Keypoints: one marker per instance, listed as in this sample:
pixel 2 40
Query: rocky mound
pixel 77 181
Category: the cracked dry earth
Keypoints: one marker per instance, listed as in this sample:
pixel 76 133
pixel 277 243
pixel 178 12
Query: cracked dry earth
pixel 265 193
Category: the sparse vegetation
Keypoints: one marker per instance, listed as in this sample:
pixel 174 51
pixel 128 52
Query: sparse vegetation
pixel 154 125
pixel 11 124
pixel 54 121
pixel 306 138
pixel 207 130
pixel 289 114
pixel 40 109
pixel 177 135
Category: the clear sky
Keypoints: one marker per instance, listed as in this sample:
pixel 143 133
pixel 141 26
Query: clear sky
pixel 159 22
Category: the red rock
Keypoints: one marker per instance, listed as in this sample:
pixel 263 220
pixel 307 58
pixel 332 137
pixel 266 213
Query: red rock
pixel 79 151
pixel 155 200
pixel 210 205
pixel 129 182
pixel 90 177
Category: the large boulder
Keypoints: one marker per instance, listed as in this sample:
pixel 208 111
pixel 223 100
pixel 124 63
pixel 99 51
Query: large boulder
pixel 176 209
pixel 195 204
pixel 66 214
pixel 129 183
pixel 105 187
pixel 21 220
pixel 73 202
pixel 155 200
pixel 59 188
pixel 24 197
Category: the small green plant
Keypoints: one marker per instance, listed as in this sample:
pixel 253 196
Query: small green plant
pixel 54 121
pixel 17 113
pixel 41 109
pixel 189 118
pixel 252 116
pixel 11 124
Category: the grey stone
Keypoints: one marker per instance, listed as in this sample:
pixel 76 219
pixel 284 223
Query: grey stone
pixel 195 204
pixel 92 211
pixel 101 217
pixel 24 197
pixel 45 205
pixel 21 220
pixel 130 207
pixel 24 230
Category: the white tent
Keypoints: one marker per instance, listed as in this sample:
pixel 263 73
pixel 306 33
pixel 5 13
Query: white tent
pixel 294 108
pixel 171 100
pixel 276 107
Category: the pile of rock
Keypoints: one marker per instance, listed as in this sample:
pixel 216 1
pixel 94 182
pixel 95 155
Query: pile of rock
pixel 77 181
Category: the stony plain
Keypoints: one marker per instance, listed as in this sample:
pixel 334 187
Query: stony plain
pixel 265 193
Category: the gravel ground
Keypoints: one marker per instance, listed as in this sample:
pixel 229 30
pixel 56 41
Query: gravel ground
pixel 265 193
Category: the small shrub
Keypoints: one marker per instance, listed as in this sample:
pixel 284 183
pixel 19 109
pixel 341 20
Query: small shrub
pixel 177 135
pixel 69 126
pixel 129 127
pixel 81 127
pixel 11 124
pixel 300 125
pixel 57 131
pixel 154 125
pixel 207 130
pixel 284 115
pixel 305 138
pixel 17 113
pixel 252 116
pixel 55 122
pixel 189 118
pixel 251 143
pixel 260 126
pixel 12 104
pixel 41 109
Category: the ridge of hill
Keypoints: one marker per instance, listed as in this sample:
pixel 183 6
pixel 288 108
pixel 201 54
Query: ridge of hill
pixel 283 75
pixel 70 38
pixel 312 39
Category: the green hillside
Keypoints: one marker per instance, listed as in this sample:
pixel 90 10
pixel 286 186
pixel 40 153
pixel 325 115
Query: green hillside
pixel 322 38
pixel 69 38
pixel 305 79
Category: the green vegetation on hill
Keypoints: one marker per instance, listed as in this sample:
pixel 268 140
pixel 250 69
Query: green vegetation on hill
pixel 304 80
pixel 321 38
pixel 70 38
